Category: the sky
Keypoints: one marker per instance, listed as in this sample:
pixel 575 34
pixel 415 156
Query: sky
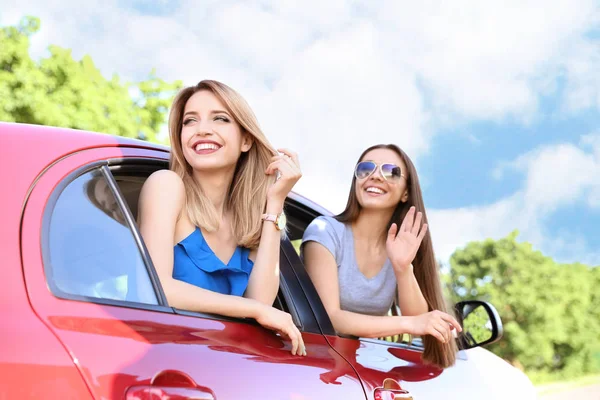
pixel 497 103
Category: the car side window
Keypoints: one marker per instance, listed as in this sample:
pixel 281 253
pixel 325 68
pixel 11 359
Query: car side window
pixel 91 252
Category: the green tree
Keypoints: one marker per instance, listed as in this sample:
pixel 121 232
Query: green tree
pixel 60 91
pixel 549 328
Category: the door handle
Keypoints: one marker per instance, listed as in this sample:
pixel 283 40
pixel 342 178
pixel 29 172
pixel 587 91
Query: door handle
pixel 391 390
pixel 170 385
pixel 149 392
pixel 391 394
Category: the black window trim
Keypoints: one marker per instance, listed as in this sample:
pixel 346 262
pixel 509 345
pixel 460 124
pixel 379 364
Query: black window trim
pixel 100 166
pixel 297 203
pixel 313 301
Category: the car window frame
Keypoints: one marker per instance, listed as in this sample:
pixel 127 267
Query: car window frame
pixel 289 293
pixel 102 167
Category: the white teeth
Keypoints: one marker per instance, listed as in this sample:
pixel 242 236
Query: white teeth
pixel 206 146
pixel 375 190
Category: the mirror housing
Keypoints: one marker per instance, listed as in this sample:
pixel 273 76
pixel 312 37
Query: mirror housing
pixel 481 324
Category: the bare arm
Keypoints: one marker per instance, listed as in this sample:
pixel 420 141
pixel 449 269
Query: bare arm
pixel 321 266
pixel 410 298
pixel 264 279
pixel 263 284
pixel 402 245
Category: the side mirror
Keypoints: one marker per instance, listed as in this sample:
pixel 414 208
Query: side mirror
pixel 480 322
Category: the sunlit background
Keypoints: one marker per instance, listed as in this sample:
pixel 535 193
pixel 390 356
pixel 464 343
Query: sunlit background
pixel 497 102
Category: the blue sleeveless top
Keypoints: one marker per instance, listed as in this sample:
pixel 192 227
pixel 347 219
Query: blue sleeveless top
pixel 196 263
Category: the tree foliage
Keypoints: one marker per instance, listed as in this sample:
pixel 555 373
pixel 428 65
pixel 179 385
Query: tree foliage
pixel 550 311
pixel 60 91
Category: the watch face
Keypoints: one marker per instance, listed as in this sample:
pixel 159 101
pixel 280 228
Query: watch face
pixel 281 221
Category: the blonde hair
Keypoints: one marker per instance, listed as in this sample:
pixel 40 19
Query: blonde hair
pixel 248 191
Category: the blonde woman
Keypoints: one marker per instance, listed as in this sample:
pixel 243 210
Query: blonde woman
pixel 212 222
pixel 377 250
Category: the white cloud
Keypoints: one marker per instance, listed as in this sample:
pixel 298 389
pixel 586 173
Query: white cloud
pixel 330 78
pixel 556 176
pixel 489 60
pixel 583 83
pixel 453 228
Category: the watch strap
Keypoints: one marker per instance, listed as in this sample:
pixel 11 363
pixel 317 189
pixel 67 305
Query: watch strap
pixel 270 217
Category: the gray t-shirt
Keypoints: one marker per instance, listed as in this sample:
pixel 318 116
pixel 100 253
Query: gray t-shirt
pixel 373 296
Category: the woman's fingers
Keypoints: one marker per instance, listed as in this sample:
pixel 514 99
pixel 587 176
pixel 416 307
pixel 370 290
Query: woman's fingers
pixel 297 343
pixel 414 229
pixel 287 171
pixel 280 165
pixel 436 334
pixel 449 319
pixel 274 166
pixel 301 344
pixel 293 165
pixel 443 330
pixel 292 160
pixel 392 231
pixel 441 326
pixel 291 154
pixel 283 165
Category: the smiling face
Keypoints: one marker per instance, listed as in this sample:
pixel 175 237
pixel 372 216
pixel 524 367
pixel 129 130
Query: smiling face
pixel 211 138
pixel 376 192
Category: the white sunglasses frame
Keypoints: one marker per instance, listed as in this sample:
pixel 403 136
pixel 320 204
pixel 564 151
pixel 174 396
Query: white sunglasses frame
pixel 380 168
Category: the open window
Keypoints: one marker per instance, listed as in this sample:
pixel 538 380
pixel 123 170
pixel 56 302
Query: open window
pixel 300 212
pixel 93 251
pixel 130 177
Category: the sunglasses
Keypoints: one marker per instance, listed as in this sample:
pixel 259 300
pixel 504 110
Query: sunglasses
pixel 390 172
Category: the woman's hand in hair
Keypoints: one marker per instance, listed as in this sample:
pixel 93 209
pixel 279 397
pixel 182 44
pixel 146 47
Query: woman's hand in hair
pixel 403 243
pixel 435 323
pixel 288 166
pixel 282 323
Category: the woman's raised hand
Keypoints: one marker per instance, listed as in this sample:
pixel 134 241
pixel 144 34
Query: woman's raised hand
pixel 403 243
pixel 288 166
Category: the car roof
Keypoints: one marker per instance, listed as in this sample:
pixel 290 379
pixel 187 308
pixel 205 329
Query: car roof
pixel 29 148
pixel 66 139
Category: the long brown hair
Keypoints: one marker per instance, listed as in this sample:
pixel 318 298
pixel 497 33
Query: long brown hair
pixel 425 265
pixel 248 191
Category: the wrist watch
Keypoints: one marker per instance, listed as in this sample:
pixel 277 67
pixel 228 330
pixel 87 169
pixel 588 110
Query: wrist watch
pixel 278 219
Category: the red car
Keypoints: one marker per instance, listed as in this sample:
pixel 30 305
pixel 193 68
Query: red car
pixel 84 315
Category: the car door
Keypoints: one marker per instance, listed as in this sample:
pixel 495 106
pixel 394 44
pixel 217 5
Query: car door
pixel 90 279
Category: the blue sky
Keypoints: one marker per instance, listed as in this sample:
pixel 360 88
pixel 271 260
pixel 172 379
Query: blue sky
pixel 496 102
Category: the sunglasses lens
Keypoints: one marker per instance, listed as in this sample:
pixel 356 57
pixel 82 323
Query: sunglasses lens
pixel 364 169
pixel 391 171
